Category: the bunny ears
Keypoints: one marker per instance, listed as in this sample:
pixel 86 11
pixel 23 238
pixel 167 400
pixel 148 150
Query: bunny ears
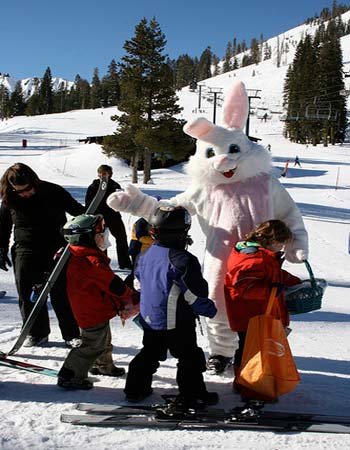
pixel 235 113
pixel 236 106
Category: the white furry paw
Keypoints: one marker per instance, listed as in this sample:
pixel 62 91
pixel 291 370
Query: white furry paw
pixel 296 256
pixel 119 200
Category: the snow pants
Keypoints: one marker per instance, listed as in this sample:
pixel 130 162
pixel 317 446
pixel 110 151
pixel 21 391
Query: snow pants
pixel 96 350
pixel 30 267
pixel 182 344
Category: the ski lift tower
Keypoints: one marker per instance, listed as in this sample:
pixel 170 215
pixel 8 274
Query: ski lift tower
pixel 215 91
pixel 201 88
pixel 252 93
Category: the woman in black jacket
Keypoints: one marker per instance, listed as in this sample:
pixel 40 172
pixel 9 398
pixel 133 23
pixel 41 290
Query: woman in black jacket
pixel 36 211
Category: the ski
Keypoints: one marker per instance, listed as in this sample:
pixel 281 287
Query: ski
pixel 151 420
pixel 108 409
pixel 21 365
pixel 54 275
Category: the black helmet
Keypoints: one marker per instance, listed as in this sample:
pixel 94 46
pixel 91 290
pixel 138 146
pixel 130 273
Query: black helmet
pixel 170 224
pixel 81 230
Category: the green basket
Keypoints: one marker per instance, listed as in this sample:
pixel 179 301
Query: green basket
pixel 307 296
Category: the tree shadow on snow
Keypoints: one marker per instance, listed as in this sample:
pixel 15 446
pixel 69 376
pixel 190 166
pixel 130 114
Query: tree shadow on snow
pixel 283 159
pixel 321 316
pixel 325 213
pixel 322 365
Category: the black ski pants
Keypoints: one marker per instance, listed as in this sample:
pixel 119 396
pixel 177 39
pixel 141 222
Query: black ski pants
pixel 117 230
pixel 182 344
pixel 29 268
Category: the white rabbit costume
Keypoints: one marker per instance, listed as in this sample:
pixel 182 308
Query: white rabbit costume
pixel 231 190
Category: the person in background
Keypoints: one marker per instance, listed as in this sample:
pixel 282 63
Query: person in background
pixel 140 241
pixel 36 211
pixel 96 295
pixel 112 218
pixel 253 268
pixel 173 294
pixel 141 238
pixel 297 162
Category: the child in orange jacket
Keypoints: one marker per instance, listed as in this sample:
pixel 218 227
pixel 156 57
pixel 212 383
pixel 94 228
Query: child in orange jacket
pixel 254 266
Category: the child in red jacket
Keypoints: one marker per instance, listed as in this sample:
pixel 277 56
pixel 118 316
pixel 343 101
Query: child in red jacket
pixel 254 266
pixel 96 295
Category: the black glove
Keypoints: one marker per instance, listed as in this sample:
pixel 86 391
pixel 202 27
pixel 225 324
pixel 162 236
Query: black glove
pixel 4 259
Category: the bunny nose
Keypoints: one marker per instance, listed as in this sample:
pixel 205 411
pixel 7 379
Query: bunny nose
pixel 223 163
pixel 221 159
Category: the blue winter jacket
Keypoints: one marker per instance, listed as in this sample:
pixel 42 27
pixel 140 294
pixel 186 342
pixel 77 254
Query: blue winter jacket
pixel 173 290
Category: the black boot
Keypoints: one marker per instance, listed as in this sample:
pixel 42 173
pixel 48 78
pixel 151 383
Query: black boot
pixel 217 364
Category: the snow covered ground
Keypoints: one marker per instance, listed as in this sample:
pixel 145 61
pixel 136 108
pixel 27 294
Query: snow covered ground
pixel 30 404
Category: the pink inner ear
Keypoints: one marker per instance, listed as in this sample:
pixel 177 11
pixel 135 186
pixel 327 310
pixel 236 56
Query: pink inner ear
pixel 198 127
pixel 236 106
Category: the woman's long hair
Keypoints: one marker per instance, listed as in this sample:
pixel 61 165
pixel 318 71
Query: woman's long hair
pixel 270 231
pixel 18 174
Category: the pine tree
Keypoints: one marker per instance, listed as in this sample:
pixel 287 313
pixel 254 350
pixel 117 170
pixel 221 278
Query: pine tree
pixel 185 71
pixel 331 84
pixel 216 68
pixel 148 101
pixel 46 93
pixel 5 107
pixel 316 108
pixel 33 102
pixel 60 97
pixel 254 51
pixel 96 90
pixel 79 95
pixel 204 65
pixel 227 66
pixel 17 103
pixel 300 91
pixel 234 47
pixel 110 87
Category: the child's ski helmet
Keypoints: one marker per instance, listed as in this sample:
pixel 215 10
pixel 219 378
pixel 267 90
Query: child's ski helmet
pixel 170 224
pixel 81 230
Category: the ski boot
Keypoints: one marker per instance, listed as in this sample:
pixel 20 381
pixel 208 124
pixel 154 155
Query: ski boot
pixel 217 364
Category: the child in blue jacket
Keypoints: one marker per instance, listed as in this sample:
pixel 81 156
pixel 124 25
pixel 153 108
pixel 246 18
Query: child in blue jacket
pixel 173 295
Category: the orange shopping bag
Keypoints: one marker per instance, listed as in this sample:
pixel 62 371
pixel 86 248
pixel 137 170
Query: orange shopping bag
pixel 268 366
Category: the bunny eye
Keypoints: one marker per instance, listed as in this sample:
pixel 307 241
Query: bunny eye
pixel 210 152
pixel 234 148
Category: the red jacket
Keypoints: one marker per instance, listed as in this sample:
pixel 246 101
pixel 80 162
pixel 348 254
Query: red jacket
pixel 248 285
pixel 89 283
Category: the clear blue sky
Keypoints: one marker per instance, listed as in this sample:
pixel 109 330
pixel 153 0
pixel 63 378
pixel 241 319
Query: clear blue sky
pixel 75 36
